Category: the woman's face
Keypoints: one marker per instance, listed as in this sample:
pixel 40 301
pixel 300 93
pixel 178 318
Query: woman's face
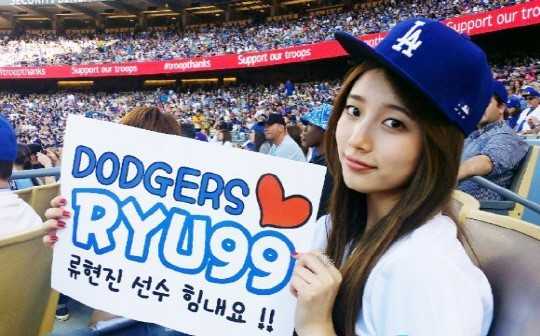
pixel 379 144
pixel 220 136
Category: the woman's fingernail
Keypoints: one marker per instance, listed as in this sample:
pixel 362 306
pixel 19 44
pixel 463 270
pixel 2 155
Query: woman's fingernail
pixel 66 214
pixel 53 238
pixel 63 201
pixel 294 254
pixel 61 224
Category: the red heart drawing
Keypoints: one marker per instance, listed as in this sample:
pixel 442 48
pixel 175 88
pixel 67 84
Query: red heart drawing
pixel 277 210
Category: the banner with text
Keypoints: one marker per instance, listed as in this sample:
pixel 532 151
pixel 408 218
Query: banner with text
pixel 473 24
pixel 190 235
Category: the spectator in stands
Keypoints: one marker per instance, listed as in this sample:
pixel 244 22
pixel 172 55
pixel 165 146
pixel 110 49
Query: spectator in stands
pixel 513 111
pixel 529 116
pixel 394 141
pixel 223 138
pixel 187 130
pixel 201 135
pixel 256 138
pixel 494 151
pixel 282 144
pixel 34 114
pixel 316 123
pixel 22 162
pixel 35 150
pixel 295 132
pixel 15 214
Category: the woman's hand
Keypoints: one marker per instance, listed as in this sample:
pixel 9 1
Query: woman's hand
pixel 315 283
pixel 56 216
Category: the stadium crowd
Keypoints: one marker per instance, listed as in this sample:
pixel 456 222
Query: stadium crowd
pixel 200 108
pixel 34 49
pixel 33 114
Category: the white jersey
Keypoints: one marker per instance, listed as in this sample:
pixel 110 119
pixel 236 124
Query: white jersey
pixel 424 285
pixel 15 214
pixel 522 124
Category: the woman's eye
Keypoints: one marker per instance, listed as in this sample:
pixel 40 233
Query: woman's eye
pixel 393 123
pixel 353 110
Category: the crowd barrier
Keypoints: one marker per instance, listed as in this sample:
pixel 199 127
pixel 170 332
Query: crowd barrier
pixel 36 173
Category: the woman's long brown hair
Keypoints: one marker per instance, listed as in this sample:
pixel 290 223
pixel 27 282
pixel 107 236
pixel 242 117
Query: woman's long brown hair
pixel 428 190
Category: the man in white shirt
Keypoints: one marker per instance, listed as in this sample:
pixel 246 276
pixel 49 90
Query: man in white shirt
pixel 15 214
pixel 282 144
pixel 528 119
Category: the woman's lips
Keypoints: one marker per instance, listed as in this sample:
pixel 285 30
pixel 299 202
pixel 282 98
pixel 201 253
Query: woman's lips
pixel 357 165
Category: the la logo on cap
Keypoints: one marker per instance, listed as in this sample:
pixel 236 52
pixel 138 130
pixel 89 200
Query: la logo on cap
pixel 411 40
pixel 462 110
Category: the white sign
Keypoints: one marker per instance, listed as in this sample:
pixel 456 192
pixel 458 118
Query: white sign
pixel 189 235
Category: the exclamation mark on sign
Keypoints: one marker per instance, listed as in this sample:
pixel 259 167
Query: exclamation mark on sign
pixel 269 327
pixel 263 314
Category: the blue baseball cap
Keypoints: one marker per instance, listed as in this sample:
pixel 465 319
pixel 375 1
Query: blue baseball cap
pixel 513 102
pixel 318 116
pixel 499 91
pixel 446 67
pixel 8 141
pixel 258 128
pixel 530 91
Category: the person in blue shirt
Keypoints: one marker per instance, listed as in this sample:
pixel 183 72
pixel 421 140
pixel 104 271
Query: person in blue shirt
pixel 494 151
pixel 530 117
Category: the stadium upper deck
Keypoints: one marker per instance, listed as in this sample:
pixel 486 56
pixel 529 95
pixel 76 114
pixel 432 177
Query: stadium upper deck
pixel 140 48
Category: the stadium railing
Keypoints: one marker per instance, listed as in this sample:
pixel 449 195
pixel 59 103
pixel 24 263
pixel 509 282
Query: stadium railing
pixel 524 193
pixel 36 173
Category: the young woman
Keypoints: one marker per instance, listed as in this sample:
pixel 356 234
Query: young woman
pixel 394 264
pixel 224 138
pixel 256 138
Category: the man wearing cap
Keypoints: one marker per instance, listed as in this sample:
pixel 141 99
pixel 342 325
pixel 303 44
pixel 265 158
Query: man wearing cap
pixel 282 144
pixel 530 117
pixel 15 214
pixel 494 151
pixel 513 109
pixel 316 123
